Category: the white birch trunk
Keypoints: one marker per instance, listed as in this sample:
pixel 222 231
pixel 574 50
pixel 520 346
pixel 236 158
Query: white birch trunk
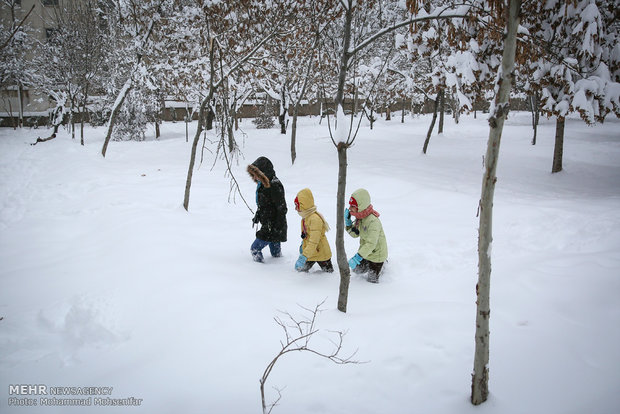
pixel 480 376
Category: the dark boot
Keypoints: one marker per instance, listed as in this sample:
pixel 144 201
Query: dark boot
pixel 374 270
pixel 327 266
pixel 372 277
pixel 257 256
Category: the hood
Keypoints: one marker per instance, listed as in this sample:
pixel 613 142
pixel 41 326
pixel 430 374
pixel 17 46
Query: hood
pixel 262 170
pixel 363 199
pixel 305 199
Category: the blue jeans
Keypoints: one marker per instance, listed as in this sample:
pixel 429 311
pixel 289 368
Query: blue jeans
pixel 259 245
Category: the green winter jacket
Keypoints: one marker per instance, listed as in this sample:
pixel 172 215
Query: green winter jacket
pixel 373 245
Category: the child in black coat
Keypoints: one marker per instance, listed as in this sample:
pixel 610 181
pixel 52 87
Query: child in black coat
pixel 271 212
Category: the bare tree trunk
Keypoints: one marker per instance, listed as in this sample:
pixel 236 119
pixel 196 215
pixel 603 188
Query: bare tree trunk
pixel 160 115
pixel 234 125
pixel 402 115
pixel 20 92
pixel 72 119
pixel 456 111
pixel 11 117
pixel 480 376
pixel 210 118
pixel 296 111
pixel 296 104
pixel 558 150
pixel 283 110
pixel 82 112
pixel 372 117
pixel 388 114
pixel 115 111
pixel 442 110
pixel 430 129
pixel 202 119
pixel 192 159
pixel 231 126
pixel 82 133
pixel 535 115
pixel 341 254
pixel 228 118
pixel 186 120
pixel 294 133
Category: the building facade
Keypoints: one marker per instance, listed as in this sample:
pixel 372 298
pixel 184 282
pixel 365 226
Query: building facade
pixel 17 101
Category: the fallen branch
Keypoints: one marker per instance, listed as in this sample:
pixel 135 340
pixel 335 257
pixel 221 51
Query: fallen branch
pixel 39 139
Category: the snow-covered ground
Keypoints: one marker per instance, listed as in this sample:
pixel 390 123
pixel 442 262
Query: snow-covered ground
pixel 106 281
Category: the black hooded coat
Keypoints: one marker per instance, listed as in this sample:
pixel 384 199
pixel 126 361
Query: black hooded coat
pixel 271 202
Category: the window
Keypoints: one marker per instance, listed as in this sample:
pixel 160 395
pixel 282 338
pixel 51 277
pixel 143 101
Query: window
pixel 50 2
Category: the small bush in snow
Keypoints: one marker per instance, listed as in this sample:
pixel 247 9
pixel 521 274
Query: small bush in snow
pixel 265 118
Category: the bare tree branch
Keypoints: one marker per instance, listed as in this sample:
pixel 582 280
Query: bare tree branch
pixel 8 40
pixel 304 330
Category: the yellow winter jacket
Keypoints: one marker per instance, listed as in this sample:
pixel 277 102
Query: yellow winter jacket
pixel 313 227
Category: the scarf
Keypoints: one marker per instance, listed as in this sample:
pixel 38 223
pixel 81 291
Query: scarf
pixel 306 213
pixel 365 213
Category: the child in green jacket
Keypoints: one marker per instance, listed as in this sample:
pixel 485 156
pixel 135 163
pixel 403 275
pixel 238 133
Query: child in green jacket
pixel 373 251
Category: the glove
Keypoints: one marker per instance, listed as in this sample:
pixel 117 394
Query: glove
pixel 299 264
pixel 347 218
pixel 256 219
pixel 355 261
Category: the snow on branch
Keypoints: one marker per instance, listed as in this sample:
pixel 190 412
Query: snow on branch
pixel 451 13
pixel 16 29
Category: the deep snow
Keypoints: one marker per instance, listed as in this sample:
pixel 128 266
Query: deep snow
pixel 107 281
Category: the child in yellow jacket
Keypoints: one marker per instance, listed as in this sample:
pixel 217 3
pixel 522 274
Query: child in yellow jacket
pixel 314 246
